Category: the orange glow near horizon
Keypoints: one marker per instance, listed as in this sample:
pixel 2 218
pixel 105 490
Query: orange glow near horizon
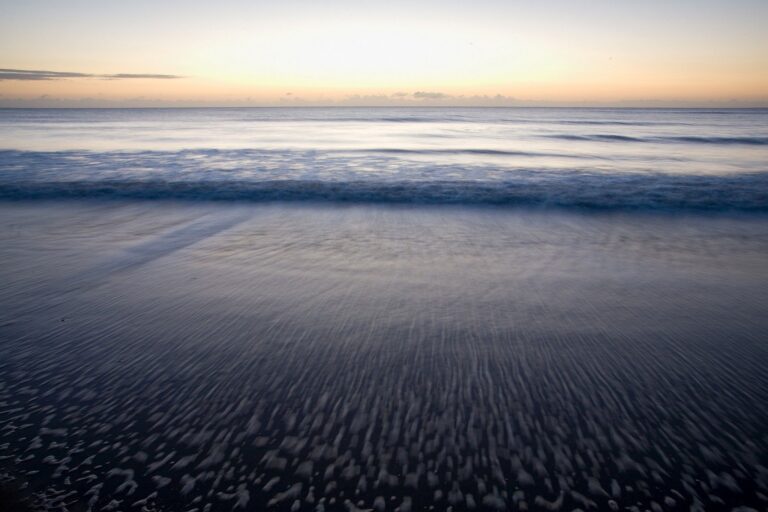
pixel 492 54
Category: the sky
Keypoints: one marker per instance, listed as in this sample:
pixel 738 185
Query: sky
pixel 375 52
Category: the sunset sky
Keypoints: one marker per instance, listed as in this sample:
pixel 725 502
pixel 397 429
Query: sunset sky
pixel 366 52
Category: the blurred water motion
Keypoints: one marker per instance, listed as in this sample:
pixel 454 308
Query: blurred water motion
pixel 636 159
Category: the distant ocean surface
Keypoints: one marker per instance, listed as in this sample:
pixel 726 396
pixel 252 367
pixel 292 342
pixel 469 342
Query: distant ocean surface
pixel 661 159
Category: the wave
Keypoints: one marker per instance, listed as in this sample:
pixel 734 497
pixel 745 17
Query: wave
pixel 747 193
pixel 462 151
pixel 368 177
pixel 752 141
pixel 757 141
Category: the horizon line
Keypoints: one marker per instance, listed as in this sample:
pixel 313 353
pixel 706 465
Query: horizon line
pixel 221 107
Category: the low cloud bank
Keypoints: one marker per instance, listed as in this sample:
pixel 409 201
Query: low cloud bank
pixel 33 74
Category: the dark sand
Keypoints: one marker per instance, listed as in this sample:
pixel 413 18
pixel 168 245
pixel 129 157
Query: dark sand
pixel 217 357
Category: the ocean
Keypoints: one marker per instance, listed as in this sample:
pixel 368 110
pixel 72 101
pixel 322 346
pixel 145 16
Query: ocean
pixel 310 309
pixel 582 158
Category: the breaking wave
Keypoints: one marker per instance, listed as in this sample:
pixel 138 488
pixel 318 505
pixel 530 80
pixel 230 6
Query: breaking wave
pixel 655 192
pixel 369 176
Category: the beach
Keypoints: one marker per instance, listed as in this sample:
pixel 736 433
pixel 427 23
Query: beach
pixel 380 309
pixel 384 357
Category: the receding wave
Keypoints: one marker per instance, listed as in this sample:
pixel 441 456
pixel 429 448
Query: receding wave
pixel 751 141
pixel 741 193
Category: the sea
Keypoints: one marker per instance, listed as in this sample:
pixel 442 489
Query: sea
pixel 543 157
pixel 384 309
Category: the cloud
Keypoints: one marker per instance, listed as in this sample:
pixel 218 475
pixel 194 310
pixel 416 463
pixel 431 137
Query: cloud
pixel 24 74
pixel 424 95
pixel 366 100
pixel 430 98
pixel 120 76
pixel 29 74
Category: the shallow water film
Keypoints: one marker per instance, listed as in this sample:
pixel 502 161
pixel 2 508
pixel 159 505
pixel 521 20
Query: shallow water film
pixel 210 357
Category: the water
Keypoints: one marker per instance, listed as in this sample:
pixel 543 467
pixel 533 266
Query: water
pixel 582 158
pixel 387 309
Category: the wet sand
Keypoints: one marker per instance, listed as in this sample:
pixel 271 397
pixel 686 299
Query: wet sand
pixel 185 356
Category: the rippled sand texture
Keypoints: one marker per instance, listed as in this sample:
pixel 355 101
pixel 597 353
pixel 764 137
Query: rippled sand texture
pixel 212 357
